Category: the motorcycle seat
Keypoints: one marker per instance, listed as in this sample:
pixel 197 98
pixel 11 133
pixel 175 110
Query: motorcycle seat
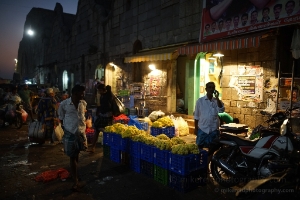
pixel 240 140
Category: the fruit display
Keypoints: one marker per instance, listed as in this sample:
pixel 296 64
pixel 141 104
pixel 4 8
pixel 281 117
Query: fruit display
pixel 163 122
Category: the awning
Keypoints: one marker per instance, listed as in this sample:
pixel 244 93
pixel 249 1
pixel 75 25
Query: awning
pixel 154 55
pixel 237 43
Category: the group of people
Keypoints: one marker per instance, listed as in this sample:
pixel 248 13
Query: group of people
pixel 71 113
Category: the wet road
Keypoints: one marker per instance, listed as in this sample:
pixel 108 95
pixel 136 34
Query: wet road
pixel 21 162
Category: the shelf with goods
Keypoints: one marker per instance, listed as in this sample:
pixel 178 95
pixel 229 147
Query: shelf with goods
pixel 289 93
pixel 285 94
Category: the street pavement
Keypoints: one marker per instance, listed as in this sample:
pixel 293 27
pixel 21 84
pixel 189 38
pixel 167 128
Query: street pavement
pixel 21 161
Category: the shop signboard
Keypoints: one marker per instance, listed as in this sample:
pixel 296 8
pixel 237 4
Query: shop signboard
pixel 248 83
pixel 224 18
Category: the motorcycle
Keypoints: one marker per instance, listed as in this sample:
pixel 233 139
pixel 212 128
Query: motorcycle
pixel 274 123
pixel 239 160
pixel 12 116
pixel 286 182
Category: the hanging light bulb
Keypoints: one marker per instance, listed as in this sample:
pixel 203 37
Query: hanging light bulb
pixel 218 54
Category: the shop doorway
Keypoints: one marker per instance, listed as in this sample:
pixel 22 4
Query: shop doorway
pixel 198 73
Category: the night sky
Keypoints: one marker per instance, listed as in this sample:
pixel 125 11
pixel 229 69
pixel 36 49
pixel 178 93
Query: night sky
pixel 12 18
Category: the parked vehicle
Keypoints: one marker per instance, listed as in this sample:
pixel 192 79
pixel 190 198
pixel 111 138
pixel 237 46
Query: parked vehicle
pixel 11 117
pixel 240 160
pixel 286 182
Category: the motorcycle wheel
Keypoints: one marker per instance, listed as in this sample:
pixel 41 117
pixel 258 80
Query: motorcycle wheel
pixel 18 122
pixel 219 175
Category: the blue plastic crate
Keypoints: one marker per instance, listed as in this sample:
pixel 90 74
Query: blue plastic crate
pixel 147 152
pixel 106 138
pixel 186 183
pixel 118 142
pixel 161 158
pixel 156 131
pixel 135 164
pixel 203 159
pixel 184 164
pixel 115 155
pixel 169 131
pixel 147 168
pixel 161 175
pixel 135 149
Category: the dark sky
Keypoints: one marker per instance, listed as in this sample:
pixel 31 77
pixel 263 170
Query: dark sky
pixel 12 18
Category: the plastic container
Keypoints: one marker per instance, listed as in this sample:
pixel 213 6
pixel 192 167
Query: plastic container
pixel 169 131
pixel 119 143
pixel 156 131
pixel 185 164
pixel 161 175
pixel 161 158
pixel 147 168
pixel 135 149
pixel 115 155
pixel 135 164
pixel 147 152
pixel 106 138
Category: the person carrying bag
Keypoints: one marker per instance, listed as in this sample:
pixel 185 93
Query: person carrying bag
pixel 104 112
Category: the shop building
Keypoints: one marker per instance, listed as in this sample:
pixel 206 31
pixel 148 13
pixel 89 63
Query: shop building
pixel 122 40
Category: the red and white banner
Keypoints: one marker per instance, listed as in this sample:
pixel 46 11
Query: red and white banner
pixel 225 18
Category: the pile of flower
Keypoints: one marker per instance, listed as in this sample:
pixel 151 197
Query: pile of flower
pixel 124 130
pixel 163 122
pixel 184 149
pixel 163 142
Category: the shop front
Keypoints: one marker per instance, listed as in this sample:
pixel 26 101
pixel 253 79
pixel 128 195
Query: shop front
pixel 152 84
pixel 214 62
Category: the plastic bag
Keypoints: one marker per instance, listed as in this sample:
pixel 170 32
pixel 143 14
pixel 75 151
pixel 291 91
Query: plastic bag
pixel 36 130
pixel 183 126
pixel 133 121
pixel 117 106
pixel 175 125
pixel 24 115
pixel 58 132
pixel 155 115
pixel 88 122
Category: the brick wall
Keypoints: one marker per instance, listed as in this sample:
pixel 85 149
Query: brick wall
pixel 265 56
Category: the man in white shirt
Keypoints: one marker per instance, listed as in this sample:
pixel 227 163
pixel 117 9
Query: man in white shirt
pixel 206 117
pixel 72 115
